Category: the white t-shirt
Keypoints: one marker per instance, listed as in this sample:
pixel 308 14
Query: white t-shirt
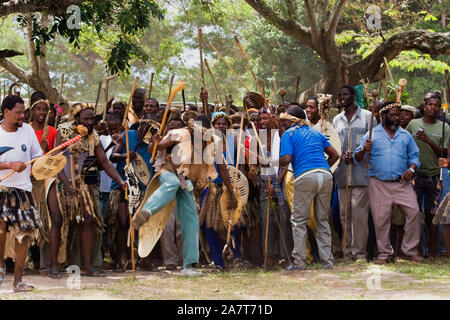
pixel 26 147
pixel 105 180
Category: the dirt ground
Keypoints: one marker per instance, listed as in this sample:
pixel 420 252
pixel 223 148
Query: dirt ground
pixel 402 280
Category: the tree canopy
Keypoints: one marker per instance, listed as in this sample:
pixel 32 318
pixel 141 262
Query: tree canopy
pixel 316 40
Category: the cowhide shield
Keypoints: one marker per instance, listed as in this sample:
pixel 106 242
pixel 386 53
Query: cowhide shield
pixel 152 230
pixel 133 189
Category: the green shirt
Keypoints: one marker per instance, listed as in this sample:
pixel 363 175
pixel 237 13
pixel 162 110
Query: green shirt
pixel 428 159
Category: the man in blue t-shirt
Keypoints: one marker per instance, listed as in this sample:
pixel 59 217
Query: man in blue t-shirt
pixel 304 147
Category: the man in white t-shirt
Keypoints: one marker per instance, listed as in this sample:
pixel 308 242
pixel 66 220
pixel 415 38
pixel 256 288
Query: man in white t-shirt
pixel 17 211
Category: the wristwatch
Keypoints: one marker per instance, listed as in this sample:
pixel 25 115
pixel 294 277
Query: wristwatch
pixel 412 170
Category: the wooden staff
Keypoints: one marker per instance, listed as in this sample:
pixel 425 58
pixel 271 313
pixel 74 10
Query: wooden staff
pixel 229 100
pixel 402 83
pixel 374 105
pixel 200 47
pixel 274 91
pixel 214 81
pixel 229 67
pixel 151 86
pixel 59 99
pixel 346 77
pixel 444 108
pixel 261 91
pixel 164 119
pixel 347 173
pixel 98 95
pixel 447 81
pixel 61 146
pixel 282 94
pixel 131 230
pixel 124 122
pixel 267 228
pixel 297 90
pixel 386 63
pixel 170 86
pixel 184 100
pixel 107 80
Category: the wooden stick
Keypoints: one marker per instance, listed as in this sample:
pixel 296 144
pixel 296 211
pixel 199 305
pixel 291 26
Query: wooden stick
pixel 214 81
pixel 229 67
pixel 124 123
pixel 346 77
pixel 164 119
pixel 61 146
pixel 228 103
pixel 170 86
pixel 98 95
pixel 200 47
pixel 389 72
pixel 374 105
pixel 402 83
pixel 267 232
pixel 347 173
pixel 447 81
pixel 151 86
pixel 250 67
pixel 59 99
pixel 107 80
pixel 184 100
pixel 297 90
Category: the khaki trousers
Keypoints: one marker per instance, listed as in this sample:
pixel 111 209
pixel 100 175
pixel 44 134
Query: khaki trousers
pixel 383 195
pixel 315 186
pixel 357 220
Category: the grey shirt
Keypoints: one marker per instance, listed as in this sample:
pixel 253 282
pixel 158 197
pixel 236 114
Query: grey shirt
pixel 359 125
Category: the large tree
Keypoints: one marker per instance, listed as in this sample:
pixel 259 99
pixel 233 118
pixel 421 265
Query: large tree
pixel 43 21
pixel 316 23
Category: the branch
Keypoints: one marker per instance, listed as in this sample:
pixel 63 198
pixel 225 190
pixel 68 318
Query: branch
pixel 9 53
pixel 330 29
pixel 432 43
pixel 15 70
pixel 34 65
pixel 312 21
pixel 23 6
pixel 289 26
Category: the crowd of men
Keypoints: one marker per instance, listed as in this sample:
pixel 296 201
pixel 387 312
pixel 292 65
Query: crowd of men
pixel 318 191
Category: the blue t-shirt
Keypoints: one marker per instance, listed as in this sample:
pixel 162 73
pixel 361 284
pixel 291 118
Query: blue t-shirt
pixel 306 146
pixel 133 140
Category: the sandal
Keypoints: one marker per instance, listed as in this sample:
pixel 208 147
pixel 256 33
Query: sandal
pixel 54 273
pixel 22 287
pixel 2 275
pixel 93 273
